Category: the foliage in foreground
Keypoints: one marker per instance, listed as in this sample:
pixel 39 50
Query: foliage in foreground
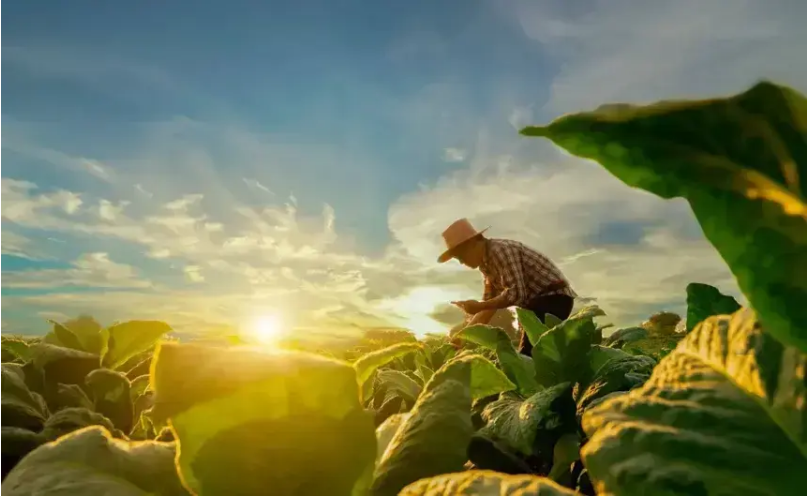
pixel 720 410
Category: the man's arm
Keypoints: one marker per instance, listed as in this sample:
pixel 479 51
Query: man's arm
pixel 498 302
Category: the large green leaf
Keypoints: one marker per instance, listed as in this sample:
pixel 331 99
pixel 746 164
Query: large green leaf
pixel 399 383
pixel 88 332
pixel 71 396
pixel 17 347
pixel 517 423
pixel 63 365
pixel 625 335
pixel 250 420
pixel 68 420
pixel 599 355
pixel 111 396
pixel 369 362
pixel 620 374
pixel 127 339
pixel 565 453
pixel 561 354
pixel 91 463
pixel 486 378
pixel 705 301
pixel 386 432
pixel 724 414
pixel 485 483
pixel 20 408
pixel 740 162
pixel 517 367
pixel 16 443
pixel 484 335
pixel 531 324
pixel 434 438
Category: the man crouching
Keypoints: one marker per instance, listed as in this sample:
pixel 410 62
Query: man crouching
pixel 514 275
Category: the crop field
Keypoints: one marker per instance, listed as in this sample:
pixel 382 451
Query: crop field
pixel 714 404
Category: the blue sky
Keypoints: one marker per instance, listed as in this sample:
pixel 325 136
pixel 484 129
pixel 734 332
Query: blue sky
pixel 208 162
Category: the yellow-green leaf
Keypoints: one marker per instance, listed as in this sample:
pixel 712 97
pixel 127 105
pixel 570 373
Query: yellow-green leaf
pixel 740 162
pixel 724 413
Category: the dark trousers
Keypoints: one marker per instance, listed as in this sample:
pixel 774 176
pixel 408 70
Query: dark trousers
pixel 557 305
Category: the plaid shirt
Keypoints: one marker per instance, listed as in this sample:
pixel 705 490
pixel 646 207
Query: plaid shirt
pixel 523 271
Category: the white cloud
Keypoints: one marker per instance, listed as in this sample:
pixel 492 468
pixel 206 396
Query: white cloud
pixel 18 245
pixel 254 184
pixel 639 51
pixel 193 273
pixel 454 154
pixel 110 211
pixel 89 270
pixel 59 159
pixel 21 205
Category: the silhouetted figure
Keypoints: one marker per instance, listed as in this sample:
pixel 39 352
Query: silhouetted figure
pixel 515 275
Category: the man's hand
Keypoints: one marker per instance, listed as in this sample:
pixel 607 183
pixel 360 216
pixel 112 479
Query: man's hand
pixel 471 307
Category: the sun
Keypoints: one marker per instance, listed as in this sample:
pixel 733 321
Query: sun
pixel 267 329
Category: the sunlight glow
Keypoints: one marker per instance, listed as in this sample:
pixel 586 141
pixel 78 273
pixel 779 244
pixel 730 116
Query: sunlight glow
pixel 268 329
pixel 413 309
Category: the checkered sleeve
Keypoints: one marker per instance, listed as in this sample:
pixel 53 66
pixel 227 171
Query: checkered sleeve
pixel 509 265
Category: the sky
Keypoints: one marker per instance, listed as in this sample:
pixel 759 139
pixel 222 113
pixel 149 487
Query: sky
pixel 208 163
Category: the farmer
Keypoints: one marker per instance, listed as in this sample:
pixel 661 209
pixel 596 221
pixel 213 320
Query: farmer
pixel 514 275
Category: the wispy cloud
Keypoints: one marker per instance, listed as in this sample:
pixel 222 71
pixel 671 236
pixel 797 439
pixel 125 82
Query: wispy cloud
pixel 94 270
pixel 454 154
pixel 253 183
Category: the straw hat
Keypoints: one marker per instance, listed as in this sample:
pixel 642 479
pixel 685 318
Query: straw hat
pixel 455 235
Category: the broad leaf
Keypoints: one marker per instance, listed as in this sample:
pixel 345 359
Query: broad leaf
pixel 517 367
pixel 66 338
pixel 705 301
pixel 63 365
pixel 517 423
pixel 16 443
pixel 740 162
pixel 130 338
pixel 483 335
pixel 17 347
pixel 110 393
pixel 249 419
pixel 656 347
pixel 369 362
pixel 72 419
pixel 91 463
pixel 399 383
pixel 599 355
pixel 88 332
pixel 386 432
pixel 486 378
pixel 620 374
pixel 485 483
pixel 531 324
pixel 424 370
pixel 560 355
pixel 20 408
pixel 551 320
pixel 138 386
pixel 487 454
pixel 433 438
pixel 625 335
pixel 565 452
pixel 725 413
pixel 71 396
pixel 587 312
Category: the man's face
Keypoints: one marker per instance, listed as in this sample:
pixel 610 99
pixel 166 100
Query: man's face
pixel 468 254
